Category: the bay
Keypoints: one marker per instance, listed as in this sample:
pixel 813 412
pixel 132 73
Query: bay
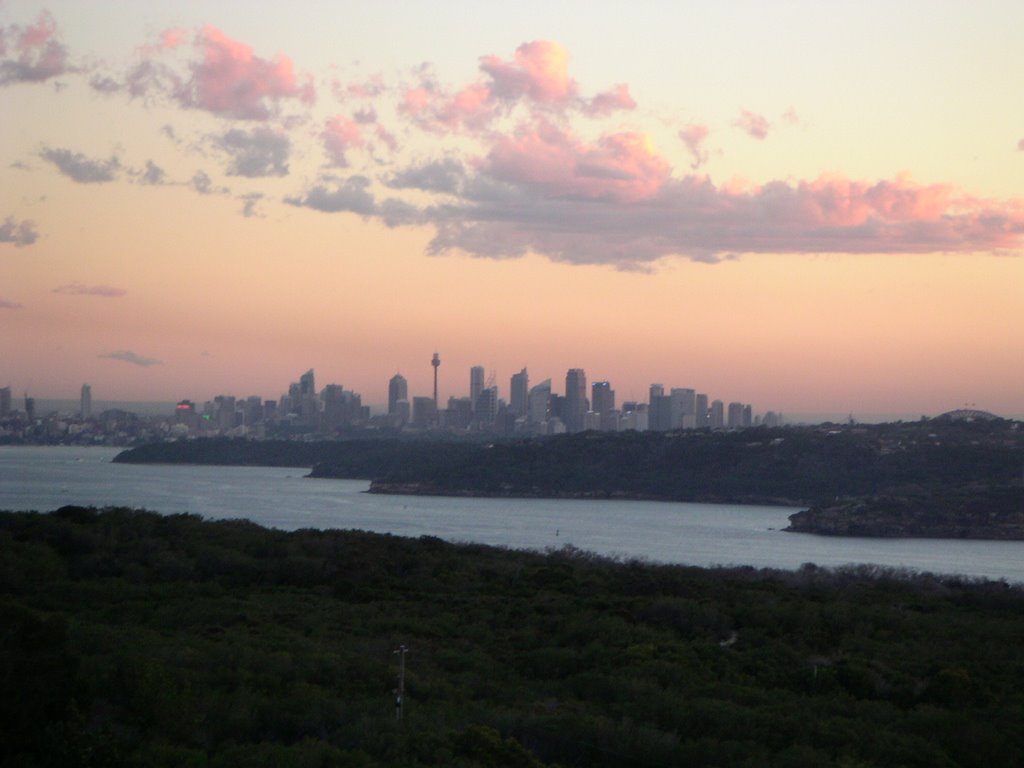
pixel 44 478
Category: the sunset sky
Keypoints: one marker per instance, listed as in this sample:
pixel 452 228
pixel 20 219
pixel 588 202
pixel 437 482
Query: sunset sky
pixel 812 207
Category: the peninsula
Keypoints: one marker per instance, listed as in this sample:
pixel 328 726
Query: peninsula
pixel 938 477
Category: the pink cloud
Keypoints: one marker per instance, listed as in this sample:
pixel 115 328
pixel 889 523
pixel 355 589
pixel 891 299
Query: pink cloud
pixel 755 125
pixel 621 166
pixel 40 54
pixel 693 136
pixel 340 135
pixel 172 38
pixel 791 117
pixel 539 70
pixel 605 103
pixel 6 304
pixel 415 101
pixel 1020 145
pixel 231 81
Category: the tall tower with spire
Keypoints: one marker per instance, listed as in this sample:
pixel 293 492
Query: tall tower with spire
pixel 436 362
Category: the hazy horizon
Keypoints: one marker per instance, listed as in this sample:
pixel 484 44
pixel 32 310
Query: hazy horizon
pixel 811 208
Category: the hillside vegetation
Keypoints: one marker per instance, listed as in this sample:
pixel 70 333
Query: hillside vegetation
pixel 129 638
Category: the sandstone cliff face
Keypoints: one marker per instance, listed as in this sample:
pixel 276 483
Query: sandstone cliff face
pixel 978 513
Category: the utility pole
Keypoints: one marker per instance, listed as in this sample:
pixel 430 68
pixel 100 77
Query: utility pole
pixel 400 691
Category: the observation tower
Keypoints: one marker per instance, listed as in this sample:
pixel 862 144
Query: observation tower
pixel 436 362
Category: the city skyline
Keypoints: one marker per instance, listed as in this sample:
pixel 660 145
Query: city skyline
pixel 810 208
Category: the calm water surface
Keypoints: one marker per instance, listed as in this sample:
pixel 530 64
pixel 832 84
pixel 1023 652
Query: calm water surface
pixel 695 534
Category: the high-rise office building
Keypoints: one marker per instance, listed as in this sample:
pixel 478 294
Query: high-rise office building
pixel 602 397
pixel 307 383
pixel 398 389
pixel 602 402
pixel 683 408
pixel 539 401
pixel 716 415
pixel 85 405
pixel 424 412
pixel 486 405
pixel 575 399
pixel 476 383
pixel 5 401
pixel 519 388
pixel 702 411
pixel 734 416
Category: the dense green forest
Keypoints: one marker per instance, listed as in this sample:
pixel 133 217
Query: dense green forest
pixel 132 639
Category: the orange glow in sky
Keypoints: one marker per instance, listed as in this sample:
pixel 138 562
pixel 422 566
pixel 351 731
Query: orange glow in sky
pixel 815 214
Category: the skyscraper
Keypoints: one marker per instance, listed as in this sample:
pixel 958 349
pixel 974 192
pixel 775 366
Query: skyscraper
pixel 575 399
pixel 683 408
pixel 602 402
pixel 85 407
pixel 702 411
pixel 519 389
pixel 398 389
pixel 734 415
pixel 307 383
pixel 539 399
pixel 716 416
pixel 5 401
pixel 476 383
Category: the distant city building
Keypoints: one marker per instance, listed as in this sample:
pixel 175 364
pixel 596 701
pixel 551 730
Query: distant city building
pixel 716 415
pixel 252 411
pixel 539 401
pixel 30 407
pixel 702 411
pixel 684 407
pixel 748 414
pixel 734 416
pixel 85 405
pixel 486 406
pixel 5 401
pixel 602 402
pixel 660 412
pixel 519 388
pixel 342 408
pixel 224 406
pixel 576 405
pixel 398 389
pixel 424 413
pixel 459 414
pixel 307 383
pixel 476 383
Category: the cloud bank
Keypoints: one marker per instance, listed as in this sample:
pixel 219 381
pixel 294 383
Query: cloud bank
pixel 79 289
pixel 38 53
pixel 522 159
pixel 20 233
pixel 127 356
pixel 80 168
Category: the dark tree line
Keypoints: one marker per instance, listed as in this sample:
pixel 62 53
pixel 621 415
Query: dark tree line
pixel 130 638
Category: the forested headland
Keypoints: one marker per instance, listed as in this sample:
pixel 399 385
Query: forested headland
pixel 134 639
pixel 855 478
